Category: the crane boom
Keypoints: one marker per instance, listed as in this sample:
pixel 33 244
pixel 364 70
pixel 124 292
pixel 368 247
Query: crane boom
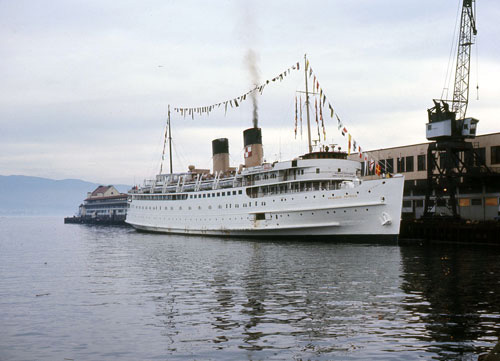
pixel 462 73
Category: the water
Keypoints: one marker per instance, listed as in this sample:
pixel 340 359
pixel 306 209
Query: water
pixel 110 293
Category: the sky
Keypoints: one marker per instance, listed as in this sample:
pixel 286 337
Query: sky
pixel 85 85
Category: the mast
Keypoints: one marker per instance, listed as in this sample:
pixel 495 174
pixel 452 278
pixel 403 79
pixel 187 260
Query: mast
pixel 170 140
pixel 307 107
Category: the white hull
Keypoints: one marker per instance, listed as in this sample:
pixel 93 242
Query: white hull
pixel 370 209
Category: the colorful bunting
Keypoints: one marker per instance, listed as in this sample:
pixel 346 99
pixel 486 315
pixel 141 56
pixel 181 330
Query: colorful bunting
pixel 236 102
pixel 296 118
pixel 300 116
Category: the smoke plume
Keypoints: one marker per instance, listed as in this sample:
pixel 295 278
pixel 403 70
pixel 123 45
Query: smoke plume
pixel 251 62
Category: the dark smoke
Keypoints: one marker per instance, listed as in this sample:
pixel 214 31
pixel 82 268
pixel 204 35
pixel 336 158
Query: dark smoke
pixel 251 61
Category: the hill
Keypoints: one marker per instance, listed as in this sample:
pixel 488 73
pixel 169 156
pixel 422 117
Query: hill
pixel 23 195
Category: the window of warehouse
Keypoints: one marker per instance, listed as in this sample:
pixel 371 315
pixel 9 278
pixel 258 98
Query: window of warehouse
pixel 495 154
pixel 421 162
pixel 409 164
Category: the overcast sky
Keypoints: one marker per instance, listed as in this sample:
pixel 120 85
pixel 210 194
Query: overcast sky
pixel 85 84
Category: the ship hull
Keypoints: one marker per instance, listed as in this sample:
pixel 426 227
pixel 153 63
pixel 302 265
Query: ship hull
pixel 369 211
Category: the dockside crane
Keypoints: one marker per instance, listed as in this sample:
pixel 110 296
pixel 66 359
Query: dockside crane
pixel 453 162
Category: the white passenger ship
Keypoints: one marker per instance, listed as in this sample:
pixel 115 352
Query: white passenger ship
pixel 318 194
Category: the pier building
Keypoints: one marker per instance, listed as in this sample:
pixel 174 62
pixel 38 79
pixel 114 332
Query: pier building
pixel 477 202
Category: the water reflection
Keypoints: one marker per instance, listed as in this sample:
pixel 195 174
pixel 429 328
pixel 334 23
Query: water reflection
pixel 293 299
pixel 210 298
pixel 455 292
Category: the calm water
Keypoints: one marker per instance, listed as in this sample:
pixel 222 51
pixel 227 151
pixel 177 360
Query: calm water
pixel 96 293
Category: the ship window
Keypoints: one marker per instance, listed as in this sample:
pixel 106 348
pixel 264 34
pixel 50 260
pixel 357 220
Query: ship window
pixel 240 192
pixel 218 194
pixel 204 195
pixel 339 170
pixel 223 194
pixel 234 193
pixel 317 170
pixel 260 216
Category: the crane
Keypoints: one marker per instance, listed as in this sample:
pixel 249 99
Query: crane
pixel 462 72
pixel 451 123
pixel 451 160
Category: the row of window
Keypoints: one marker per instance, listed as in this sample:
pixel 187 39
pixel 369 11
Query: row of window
pixel 175 197
pixel 463 202
pixel 99 206
pixel 406 164
pixel 228 205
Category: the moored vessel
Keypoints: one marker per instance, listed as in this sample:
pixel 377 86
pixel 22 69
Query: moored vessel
pixel 318 194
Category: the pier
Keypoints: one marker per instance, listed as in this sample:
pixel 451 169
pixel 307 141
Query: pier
pixel 449 231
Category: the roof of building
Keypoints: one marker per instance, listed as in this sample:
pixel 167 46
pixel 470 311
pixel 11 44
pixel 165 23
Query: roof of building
pixel 100 189
pixel 120 195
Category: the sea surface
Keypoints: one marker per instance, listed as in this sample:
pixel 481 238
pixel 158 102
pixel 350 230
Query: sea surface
pixel 77 292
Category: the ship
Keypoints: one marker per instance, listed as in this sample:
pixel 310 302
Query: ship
pixel 318 194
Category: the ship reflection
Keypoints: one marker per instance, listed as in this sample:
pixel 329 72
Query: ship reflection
pixel 313 300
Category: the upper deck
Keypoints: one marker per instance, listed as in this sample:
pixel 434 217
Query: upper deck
pixel 317 166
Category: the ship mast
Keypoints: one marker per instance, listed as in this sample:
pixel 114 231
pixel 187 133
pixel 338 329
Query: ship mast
pixel 307 107
pixel 168 132
pixel 170 140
